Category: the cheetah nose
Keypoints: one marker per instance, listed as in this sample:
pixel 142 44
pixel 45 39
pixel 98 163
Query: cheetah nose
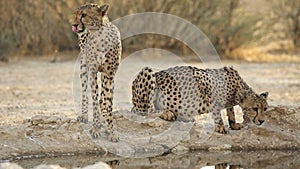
pixel 260 122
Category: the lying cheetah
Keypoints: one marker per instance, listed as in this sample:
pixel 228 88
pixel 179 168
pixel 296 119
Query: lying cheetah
pixel 184 91
pixel 100 51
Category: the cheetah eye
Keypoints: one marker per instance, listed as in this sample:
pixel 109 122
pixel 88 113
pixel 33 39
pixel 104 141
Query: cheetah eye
pixel 255 109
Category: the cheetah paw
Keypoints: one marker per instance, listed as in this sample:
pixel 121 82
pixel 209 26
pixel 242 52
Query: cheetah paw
pixel 82 119
pixel 221 129
pixel 236 126
pixel 95 132
pixel 112 137
pixel 168 116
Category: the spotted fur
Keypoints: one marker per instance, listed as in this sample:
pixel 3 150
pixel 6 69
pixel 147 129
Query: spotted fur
pixel 100 51
pixel 184 91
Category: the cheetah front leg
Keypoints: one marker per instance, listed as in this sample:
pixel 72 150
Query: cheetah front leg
pixel 231 120
pixel 96 129
pixel 83 117
pixel 106 105
pixel 219 124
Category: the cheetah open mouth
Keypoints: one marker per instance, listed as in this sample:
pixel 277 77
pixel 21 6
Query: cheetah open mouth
pixel 74 28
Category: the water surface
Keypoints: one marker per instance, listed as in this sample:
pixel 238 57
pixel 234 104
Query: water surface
pixel 197 159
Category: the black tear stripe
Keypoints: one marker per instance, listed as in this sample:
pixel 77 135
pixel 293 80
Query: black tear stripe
pixel 231 121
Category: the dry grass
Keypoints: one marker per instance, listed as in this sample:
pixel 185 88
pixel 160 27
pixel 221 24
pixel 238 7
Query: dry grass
pixel 42 27
pixel 256 55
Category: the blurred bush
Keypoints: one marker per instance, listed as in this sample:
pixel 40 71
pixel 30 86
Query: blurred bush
pixel 35 27
pixel 42 27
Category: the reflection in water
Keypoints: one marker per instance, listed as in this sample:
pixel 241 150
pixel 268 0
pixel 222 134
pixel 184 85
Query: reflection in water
pixel 223 166
pixel 199 159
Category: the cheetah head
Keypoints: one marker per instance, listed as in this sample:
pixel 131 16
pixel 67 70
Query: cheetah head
pixel 254 106
pixel 89 16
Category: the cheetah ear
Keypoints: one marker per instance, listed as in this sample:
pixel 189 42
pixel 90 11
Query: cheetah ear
pixel 264 94
pixel 103 9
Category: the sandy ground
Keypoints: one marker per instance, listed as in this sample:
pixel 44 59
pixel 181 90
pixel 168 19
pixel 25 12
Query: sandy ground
pixel 37 110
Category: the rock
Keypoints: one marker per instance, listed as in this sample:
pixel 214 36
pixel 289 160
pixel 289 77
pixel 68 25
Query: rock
pixel 179 149
pixel 157 123
pixel 10 166
pixel 222 147
pixel 48 167
pixel 98 165
pixel 43 119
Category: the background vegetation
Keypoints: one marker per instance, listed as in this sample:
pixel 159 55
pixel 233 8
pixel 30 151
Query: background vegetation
pixel 237 28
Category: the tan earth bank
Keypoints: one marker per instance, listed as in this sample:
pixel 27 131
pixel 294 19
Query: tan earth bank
pixel 37 113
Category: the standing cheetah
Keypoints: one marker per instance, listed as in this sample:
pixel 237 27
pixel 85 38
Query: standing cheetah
pixel 184 91
pixel 100 51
